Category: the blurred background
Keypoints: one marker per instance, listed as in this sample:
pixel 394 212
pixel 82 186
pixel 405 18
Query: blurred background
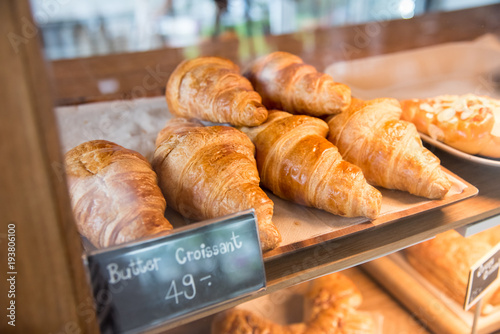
pixel 74 29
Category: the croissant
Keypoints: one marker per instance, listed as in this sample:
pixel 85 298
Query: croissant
pixel 114 194
pixel 469 123
pixel 389 151
pixel 286 83
pixel 334 299
pixel 328 290
pixel 445 261
pixel 212 89
pixel 297 163
pixel 208 172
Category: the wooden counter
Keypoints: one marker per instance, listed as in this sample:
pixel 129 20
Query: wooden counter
pixel 62 292
pixel 146 73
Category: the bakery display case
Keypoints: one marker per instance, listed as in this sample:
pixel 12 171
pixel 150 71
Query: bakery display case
pixel 433 281
pixel 53 105
pixel 378 311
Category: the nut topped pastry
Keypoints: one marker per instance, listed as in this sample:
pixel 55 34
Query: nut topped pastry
pixel 469 123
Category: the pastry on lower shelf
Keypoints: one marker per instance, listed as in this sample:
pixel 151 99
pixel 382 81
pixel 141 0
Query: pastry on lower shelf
pixel 328 290
pixel 370 135
pixel 114 194
pixel 445 262
pixel 210 171
pixel 297 163
pixel 469 123
pixel 286 83
pixel 212 89
pixel 331 305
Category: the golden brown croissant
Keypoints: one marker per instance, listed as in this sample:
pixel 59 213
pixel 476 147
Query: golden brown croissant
pixel 286 83
pixel 445 261
pixel 494 296
pixel 333 289
pixel 469 123
pixel 490 236
pixel 389 151
pixel 208 172
pixel 297 163
pixel 114 194
pixel 239 321
pixel 212 89
pixel 333 299
pixel 341 320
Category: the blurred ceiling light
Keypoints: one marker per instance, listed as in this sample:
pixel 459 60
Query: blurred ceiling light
pixel 407 8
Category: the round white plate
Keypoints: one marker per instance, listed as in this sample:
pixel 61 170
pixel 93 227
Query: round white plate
pixel 460 154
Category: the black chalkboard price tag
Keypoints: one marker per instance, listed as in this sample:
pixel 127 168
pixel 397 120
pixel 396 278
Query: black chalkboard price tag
pixel 144 285
pixel 481 275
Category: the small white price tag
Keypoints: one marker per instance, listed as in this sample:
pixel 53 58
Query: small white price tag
pixel 481 276
pixel 149 283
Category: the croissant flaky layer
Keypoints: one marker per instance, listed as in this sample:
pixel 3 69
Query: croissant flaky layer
pixel 114 194
pixel 209 172
pixel 332 301
pixel 286 83
pixel 468 122
pixel 212 89
pixel 297 163
pixel 370 135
